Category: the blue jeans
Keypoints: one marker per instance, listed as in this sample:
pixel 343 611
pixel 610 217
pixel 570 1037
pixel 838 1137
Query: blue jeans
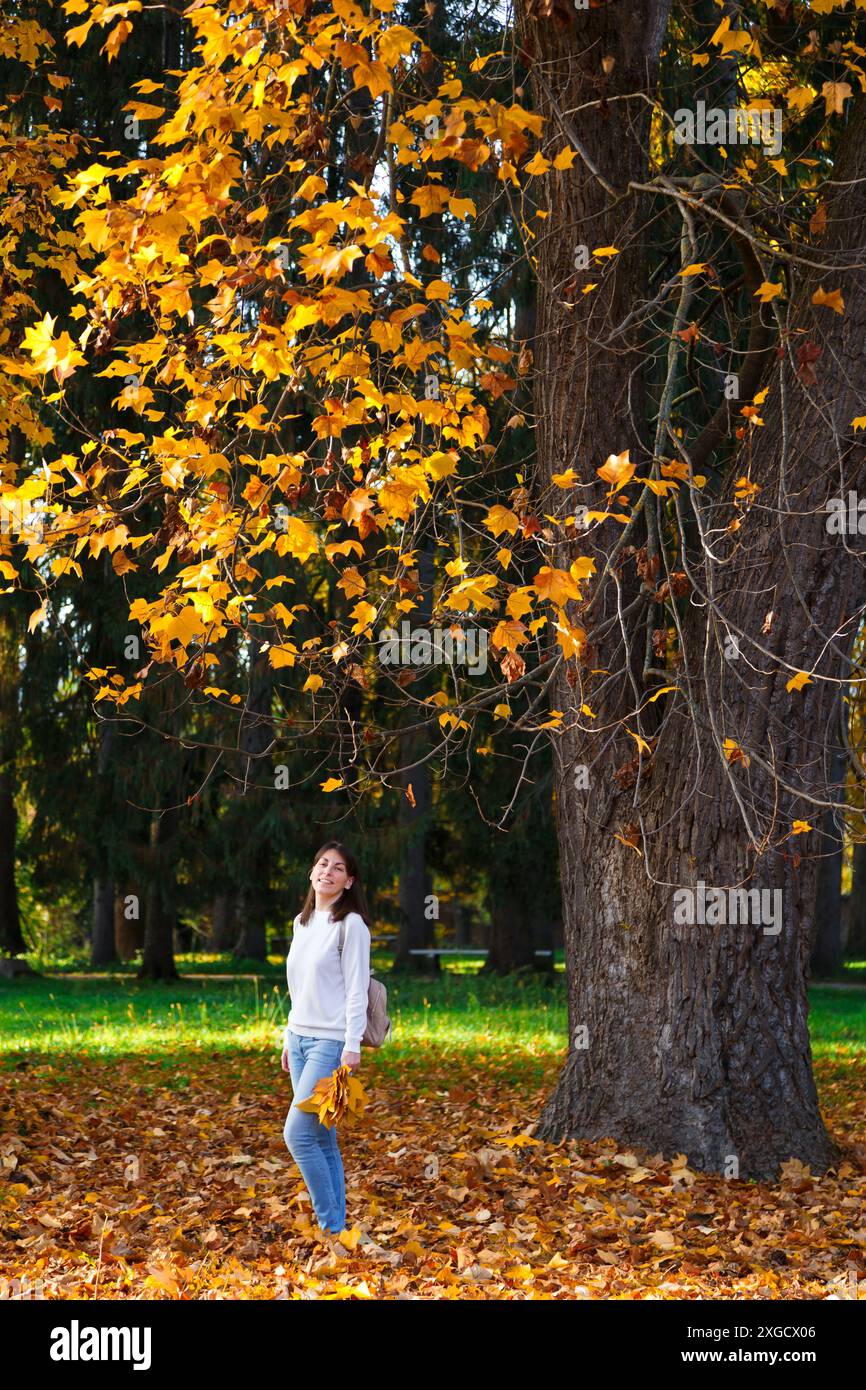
pixel 312 1145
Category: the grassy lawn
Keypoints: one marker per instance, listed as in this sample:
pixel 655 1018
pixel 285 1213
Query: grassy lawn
pixel 521 1021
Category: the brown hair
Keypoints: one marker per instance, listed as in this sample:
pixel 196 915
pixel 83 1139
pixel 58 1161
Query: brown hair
pixel 350 900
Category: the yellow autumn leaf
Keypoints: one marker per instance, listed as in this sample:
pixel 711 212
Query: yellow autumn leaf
pixel 440 465
pixel 641 742
pixel 798 681
pixel 79 33
pixel 538 164
pixel 800 827
pixel 373 75
pixel 500 519
pixel 461 208
pixel 617 469
pixel 665 690
pixel 509 634
pixel 310 187
pixel 36 617
pixel 50 354
pixel 471 591
pixel 430 198
pixel 734 753
pixel 395 43
pixel 334 1096
pixel 572 640
pixel 299 540
pixel 767 290
pixel 835 95
pixel 831 299
pixel 556 585
pixel 800 97
pixel 363 613
pixel 332 784
pixel 330 261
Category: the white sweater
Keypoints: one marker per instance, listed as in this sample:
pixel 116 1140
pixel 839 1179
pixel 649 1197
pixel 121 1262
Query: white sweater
pixel 329 993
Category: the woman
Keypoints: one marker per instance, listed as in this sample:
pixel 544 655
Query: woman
pixel 327 1018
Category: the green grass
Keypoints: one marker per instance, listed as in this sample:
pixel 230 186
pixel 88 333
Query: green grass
pixel 513 1025
pixel 837 1022
pixel 209 963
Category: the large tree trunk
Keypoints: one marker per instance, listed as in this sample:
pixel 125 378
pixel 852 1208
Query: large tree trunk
pixel 223 922
pixel 683 1038
pixel 855 945
pixel 128 924
pixel 512 936
pixel 159 914
pixel 255 735
pixel 103 948
pixel 415 889
pixel 522 889
pixel 826 937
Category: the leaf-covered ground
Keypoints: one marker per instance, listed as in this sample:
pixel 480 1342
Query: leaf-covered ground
pixel 146 1159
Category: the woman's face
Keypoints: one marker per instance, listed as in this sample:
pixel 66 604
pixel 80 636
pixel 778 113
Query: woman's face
pixel 330 876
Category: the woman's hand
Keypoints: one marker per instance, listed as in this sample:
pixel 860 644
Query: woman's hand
pixel 352 1060
pixel 284 1060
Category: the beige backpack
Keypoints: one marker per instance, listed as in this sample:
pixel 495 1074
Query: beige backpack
pixel 378 1028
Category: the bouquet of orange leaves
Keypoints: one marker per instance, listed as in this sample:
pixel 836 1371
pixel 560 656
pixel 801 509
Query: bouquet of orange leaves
pixel 334 1096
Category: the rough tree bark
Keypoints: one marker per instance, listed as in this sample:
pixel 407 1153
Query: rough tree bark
pixel 684 1038
pixel 128 924
pixel 522 891
pixel 826 935
pixel 103 947
pixel 855 946
pixel 224 923
pixel 255 736
pixel 159 914
pixel 415 886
